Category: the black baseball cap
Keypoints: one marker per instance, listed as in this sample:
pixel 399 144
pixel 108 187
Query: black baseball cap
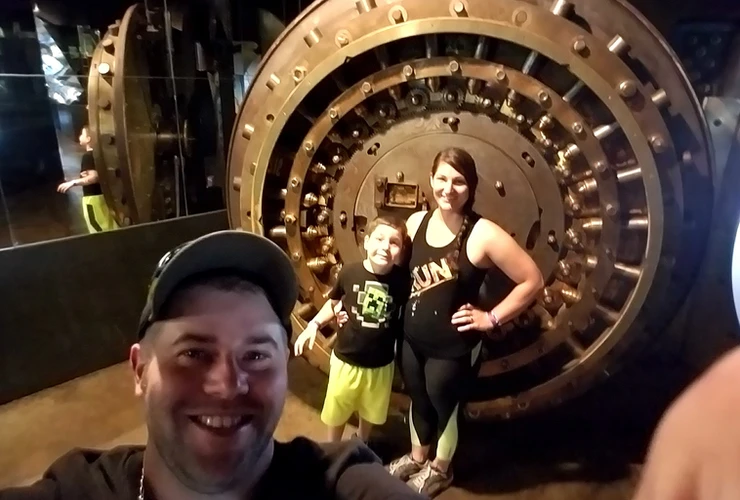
pixel 249 255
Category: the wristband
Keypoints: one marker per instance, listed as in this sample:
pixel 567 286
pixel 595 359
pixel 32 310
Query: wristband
pixel 494 319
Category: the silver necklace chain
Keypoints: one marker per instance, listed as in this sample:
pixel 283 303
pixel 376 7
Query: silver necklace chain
pixel 141 484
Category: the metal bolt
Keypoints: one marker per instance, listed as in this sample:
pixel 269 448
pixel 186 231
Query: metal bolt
pixel 687 158
pixel 611 209
pixel 366 87
pixel 342 39
pixel 459 8
pixel 577 128
pixel 299 73
pixel 500 75
pixel 399 176
pixel 408 71
pixel 579 45
pixel 383 112
pixel 336 159
pixel 397 15
pixel 343 217
pixel 415 100
pixel 627 89
pixel 295 182
pixel 552 239
pixel 296 256
pixel 333 114
pixel 450 97
pixel 658 143
pixel 600 166
pixel 543 97
pixel 487 103
pixel 545 122
pixel 290 219
pixel 576 207
pixel 454 66
pixel 308 146
pixel 499 185
pixel 520 119
pixel 103 68
pixel 520 17
pixel 356 133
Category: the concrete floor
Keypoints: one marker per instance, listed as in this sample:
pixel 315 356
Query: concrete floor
pixel 522 461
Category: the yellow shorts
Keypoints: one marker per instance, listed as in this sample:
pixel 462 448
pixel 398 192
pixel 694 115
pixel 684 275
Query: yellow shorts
pixel 366 391
pixel 97 215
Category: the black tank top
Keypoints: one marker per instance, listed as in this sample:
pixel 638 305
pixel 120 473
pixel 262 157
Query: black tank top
pixel 438 292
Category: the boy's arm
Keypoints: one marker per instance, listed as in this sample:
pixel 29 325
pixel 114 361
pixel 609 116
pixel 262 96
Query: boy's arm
pixel 326 313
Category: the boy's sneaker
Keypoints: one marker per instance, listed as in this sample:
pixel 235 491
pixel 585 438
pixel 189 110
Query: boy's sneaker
pixel 430 481
pixel 405 467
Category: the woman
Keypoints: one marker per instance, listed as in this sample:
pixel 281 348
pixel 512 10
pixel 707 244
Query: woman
pixel 452 250
pixel 98 216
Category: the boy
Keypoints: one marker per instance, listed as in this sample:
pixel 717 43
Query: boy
pixel 361 366
pixel 98 216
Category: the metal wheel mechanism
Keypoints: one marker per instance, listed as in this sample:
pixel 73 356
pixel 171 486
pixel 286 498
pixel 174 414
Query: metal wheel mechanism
pixel 141 117
pixel 590 145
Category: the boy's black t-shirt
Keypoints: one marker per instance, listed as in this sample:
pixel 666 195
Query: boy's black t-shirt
pixel 373 303
pixel 88 163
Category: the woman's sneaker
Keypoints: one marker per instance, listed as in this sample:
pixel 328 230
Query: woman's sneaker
pixel 430 481
pixel 405 467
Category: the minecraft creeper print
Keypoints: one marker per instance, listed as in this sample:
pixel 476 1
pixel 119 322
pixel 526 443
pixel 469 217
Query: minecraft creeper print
pixel 374 301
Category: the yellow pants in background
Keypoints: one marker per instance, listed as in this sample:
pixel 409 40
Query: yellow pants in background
pixel 98 216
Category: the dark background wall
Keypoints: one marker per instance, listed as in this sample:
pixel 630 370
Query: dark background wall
pixel 71 306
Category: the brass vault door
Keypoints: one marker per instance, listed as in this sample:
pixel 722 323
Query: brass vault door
pixel 590 142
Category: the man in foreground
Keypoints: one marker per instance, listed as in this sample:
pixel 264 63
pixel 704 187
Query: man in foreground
pixel 211 368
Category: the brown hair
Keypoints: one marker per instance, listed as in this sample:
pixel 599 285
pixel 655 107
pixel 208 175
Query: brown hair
pixel 463 162
pixel 397 224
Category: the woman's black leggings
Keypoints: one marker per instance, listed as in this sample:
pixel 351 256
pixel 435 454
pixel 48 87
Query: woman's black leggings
pixel 436 387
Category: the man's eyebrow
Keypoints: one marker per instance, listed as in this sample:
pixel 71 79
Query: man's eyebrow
pixel 262 338
pixel 259 339
pixel 193 337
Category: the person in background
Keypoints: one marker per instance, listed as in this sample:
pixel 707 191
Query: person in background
pixel 374 291
pixel 98 216
pixel 210 366
pixel 452 250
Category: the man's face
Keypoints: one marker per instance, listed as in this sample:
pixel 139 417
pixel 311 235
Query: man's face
pixel 213 381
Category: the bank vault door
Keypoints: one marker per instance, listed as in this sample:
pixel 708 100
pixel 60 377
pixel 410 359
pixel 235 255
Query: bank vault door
pixel 590 142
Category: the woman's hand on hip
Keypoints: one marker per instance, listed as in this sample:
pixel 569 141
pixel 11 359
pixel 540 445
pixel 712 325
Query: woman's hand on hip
pixel 471 318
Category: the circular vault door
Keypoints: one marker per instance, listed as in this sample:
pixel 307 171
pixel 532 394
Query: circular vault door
pixel 589 141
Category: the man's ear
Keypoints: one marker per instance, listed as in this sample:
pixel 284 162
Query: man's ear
pixel 138 366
